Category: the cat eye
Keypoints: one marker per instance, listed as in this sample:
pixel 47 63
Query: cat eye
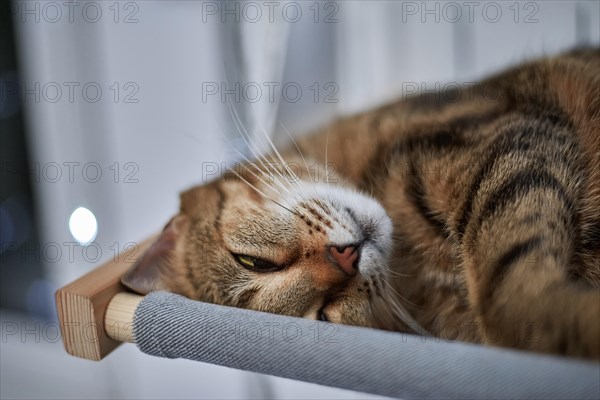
pixel 255 264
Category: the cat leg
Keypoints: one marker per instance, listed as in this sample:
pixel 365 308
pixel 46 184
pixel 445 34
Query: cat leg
pixel 516 230
pixel 521 298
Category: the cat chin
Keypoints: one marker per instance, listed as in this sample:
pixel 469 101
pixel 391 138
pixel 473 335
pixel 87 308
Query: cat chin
pixel 350 311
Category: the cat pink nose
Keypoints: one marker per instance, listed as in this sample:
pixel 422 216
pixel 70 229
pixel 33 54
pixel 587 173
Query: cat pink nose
pixel 346 258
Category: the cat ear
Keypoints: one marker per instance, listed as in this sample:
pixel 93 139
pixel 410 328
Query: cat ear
pixel 157 268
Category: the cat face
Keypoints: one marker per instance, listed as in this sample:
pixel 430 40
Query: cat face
pixel 294 247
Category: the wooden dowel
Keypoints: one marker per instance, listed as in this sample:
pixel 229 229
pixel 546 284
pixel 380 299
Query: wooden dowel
pixel 118 321
pixel 82 306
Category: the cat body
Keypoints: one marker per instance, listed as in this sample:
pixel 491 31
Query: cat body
pixel 470 215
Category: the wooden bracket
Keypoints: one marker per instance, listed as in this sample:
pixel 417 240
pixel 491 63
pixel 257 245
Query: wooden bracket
pixel 95 312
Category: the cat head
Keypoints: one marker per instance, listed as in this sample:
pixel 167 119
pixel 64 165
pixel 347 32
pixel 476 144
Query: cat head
pixel 300 247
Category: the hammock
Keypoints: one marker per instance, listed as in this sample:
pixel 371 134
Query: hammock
pixel 97 314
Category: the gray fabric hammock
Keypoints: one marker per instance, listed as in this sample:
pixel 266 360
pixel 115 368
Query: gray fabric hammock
pixel 365 360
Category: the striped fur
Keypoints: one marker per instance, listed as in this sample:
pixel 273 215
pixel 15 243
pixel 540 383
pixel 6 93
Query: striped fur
pixel 494 202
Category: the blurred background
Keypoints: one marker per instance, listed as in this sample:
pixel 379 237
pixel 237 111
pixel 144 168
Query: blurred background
pixel 109 109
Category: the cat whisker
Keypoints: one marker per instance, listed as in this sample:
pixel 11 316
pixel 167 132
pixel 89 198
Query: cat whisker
pixel 263 174
pixel 246 136
pixel 375 312
pixel 284 207
pixel 245 158
pixel 259 177
pixel 389 320
pixel 295 179
pixel 327 162
pixel 253 148
pixel 263 194
pixel 276 169
pixel 301 155
pixel 249 184
pixel 278 154
pixel 404 315
pixel 396 274
pixel 322 205
pixel 257 153
pixel 399 295
pixel 271 178
pixel 297 212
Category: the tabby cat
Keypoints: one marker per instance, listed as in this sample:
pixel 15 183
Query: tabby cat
pixel 470 215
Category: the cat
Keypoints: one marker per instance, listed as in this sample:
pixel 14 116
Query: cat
pixel 470 215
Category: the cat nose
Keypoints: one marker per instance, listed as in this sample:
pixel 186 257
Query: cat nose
pixel 346 257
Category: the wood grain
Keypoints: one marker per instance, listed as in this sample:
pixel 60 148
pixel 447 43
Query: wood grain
pixel 119 317
pixel 82 306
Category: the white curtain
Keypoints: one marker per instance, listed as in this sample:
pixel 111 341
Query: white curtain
pixel 164 111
